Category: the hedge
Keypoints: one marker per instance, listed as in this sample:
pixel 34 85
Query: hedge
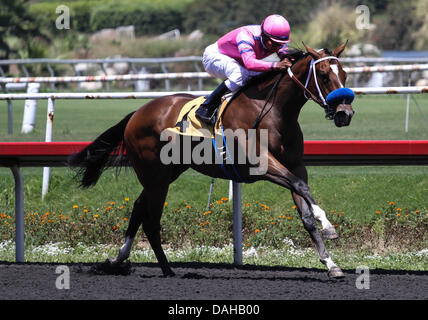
pixel 149 17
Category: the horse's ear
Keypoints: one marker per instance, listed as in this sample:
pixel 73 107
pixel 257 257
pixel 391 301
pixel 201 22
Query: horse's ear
pixel 316 55
pixel 340 49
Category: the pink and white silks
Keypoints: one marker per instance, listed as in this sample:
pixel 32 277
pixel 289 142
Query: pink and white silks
pixel 237 56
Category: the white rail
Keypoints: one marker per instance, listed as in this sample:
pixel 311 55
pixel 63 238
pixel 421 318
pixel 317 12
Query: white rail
pixel 187 75
pixel 159 94
pixel 125 77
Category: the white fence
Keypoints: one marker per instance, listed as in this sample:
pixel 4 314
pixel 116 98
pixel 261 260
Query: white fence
pixel 188 75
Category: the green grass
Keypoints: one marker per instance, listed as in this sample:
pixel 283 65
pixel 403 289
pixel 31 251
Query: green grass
pixel 351 196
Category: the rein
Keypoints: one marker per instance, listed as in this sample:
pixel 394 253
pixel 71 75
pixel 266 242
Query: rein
pixel 262 113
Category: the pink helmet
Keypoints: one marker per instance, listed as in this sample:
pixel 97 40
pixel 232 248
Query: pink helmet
pixel 276 28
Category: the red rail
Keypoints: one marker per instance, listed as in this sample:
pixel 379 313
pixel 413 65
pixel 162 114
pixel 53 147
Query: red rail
pixel 316 152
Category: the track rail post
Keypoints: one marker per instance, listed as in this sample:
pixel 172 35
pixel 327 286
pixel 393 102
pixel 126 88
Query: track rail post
pixel 237 224
pixel 19 213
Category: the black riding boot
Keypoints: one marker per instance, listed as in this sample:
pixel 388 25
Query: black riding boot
pixel 207 110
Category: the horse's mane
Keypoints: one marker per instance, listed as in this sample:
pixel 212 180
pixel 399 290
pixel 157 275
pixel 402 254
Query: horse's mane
pixel 294 55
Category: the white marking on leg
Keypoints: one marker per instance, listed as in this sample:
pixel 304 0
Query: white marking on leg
pixel 319 214
pixel 329 263
pixel 125 250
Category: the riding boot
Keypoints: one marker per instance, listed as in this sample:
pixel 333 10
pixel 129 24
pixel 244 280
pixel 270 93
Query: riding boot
pixel 206 110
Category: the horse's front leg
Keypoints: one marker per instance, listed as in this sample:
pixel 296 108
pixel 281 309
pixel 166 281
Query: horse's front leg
pixel 306 206
pixel 308 218
pixel 328 231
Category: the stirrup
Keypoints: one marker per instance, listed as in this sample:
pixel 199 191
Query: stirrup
pixel 206 117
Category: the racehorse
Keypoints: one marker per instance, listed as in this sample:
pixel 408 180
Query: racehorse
pixel 270 102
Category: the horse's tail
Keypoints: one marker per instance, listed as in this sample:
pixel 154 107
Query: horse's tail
pixel 92 160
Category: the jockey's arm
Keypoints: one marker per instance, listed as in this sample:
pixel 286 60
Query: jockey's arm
pixel 246 45
pixel 254 64
pixel 248 55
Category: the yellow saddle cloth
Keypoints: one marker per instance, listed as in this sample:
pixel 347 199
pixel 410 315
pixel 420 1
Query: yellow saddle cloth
pixel 188 124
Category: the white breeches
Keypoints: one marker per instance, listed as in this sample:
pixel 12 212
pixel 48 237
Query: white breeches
pixel 226 68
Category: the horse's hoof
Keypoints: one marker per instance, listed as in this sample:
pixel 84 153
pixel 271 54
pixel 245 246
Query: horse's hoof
pixel 335 273
pixel 329 233
pixel 112 267
pixel 168 273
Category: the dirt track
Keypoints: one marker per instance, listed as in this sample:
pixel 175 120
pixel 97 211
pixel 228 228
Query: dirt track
pixel 203 281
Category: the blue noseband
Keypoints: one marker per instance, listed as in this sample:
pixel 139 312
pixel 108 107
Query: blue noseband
pixel 340 96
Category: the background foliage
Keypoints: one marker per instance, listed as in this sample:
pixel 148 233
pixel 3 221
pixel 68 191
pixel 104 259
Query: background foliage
pixel 399 25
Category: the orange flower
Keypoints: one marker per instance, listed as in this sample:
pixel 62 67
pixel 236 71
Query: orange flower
pixel 391 203
pixel 219 201
pixel 75 206
pixel 378 212
pixel 188 207
pixel 289 218
pixel 257 231
pixel 224 199
pixel 124 219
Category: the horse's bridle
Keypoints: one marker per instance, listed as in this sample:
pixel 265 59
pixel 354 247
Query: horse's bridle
pixel 329 110
pixel 321 100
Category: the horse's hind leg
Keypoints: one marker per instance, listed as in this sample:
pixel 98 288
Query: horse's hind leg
pixel 134 224
pixel 147 210
pixel 155 201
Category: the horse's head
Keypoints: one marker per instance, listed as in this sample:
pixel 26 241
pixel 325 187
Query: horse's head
pixel 326 81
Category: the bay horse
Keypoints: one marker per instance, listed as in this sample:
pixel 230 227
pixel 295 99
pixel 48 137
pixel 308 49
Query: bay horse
pixel 272 102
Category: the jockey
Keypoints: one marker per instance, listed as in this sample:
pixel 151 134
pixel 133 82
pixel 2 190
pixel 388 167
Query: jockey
pixel 236 57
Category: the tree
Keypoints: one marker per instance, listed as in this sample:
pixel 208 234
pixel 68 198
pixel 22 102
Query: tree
pixel 18 29
pixel 220 16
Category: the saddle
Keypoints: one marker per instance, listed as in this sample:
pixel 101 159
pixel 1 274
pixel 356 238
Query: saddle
pixel 188 124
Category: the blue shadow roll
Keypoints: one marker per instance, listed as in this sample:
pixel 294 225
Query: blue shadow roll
pixel 340 96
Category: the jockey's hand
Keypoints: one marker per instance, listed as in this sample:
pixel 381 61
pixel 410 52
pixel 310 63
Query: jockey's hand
pixel 283 64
